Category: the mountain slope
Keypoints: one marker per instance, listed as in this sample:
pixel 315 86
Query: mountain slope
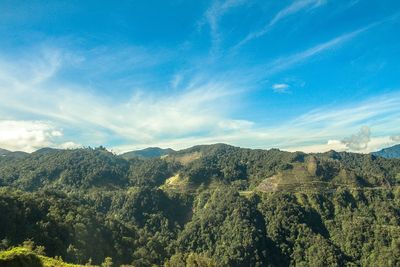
pixel 200 165
pixel 390 152
pixel 13 154
pixel 79 168
pixel 23 257
pixel 4 152
pixel 150 152
pixel 46 150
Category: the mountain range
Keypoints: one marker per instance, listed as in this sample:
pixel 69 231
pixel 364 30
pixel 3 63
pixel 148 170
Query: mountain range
pixel 208 205
pixel 156 152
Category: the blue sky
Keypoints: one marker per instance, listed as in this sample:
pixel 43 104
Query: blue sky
pixel 308 75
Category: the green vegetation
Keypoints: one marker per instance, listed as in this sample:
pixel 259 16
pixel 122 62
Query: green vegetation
pixel 205 206
pixel 24 257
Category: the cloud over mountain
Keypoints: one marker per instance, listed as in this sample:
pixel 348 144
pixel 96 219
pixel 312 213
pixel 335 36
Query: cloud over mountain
pixel 360 140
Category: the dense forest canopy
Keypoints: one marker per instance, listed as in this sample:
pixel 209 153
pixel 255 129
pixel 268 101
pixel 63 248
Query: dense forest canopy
pixel 214 205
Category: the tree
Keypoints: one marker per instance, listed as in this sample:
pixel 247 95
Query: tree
pixel 107 262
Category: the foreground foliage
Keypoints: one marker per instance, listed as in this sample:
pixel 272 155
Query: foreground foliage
pixel 23 257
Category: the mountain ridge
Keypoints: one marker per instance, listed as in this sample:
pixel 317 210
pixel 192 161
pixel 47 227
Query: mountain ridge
pixel 389 152
pixel 14 154
pixel 149 152
pixel 87 168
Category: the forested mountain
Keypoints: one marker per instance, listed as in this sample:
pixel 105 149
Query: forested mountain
pixel 4 152
pixel 390 152
pixel 150 152
pixel 15 154
pixel 214 205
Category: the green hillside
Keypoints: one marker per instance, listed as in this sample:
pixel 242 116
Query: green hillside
pixel 215 205
pixel 23 257
pixel 150 152
pixel 12 154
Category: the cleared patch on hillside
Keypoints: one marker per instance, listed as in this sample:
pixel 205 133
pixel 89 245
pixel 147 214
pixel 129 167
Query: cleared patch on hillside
pixel 176 183
pixel 307 176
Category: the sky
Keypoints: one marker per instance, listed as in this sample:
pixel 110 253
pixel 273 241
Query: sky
pixel 308 75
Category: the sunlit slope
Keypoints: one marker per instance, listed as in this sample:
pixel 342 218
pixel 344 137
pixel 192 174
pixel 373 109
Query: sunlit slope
pixel 23 257
pixel 199 166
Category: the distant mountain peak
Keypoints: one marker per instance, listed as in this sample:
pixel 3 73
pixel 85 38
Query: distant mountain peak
pixel 46 150
pixel 4 151
pixel 389 152
pixel 150 152
pixel 15 154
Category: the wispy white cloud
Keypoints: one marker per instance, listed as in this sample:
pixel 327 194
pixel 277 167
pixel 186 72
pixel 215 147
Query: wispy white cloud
pixel 144 117
pixel 358 141
pixel 39 67
pixel 324 129
pixel 200 114
pixel 317 131
pixel 214 14
pixel 176 80
pixel 280 87
pixel 336 145
pixel 260 72
pixel 295 7
pixel 381 110
pixel 395 138
pixel 202 111
pixel 375 144
pixel 68 145
pixel 123 59
pixel 287 62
